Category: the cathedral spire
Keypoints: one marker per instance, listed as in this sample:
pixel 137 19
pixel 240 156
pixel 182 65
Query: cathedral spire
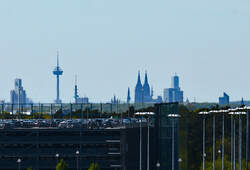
pixel 138 89
pixel 146 78
pixel 146 87
pixel 139 78
pixel 128 97
pixel 152 92
pixel 242 102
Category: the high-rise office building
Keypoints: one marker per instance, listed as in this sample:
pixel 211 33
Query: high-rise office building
pixel 175 82
pixel 173 94
pixel 225 99
pixel 18 94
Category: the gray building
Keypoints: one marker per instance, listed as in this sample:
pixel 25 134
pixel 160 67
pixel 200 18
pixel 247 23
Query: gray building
pixel 18 94
pixel 82 100
pixel 173 94
pixel 123 147
pixel 224 99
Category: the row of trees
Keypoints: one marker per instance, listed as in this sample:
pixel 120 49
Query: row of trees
pixel 190 140
pixel 62 165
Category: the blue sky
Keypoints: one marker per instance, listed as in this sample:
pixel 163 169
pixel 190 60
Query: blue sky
pixel 106 42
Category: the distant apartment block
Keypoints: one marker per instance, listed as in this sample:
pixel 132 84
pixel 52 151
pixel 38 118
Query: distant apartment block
pixel 173 94
pixel 224 99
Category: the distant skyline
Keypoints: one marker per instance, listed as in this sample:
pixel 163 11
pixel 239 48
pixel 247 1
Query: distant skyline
pixel 106 42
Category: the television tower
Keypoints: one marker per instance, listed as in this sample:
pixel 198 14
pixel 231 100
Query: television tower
pixel 58 72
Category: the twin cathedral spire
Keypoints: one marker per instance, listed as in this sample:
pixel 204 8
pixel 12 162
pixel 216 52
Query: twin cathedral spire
pixel 142 92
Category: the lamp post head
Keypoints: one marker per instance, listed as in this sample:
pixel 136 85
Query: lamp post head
pixel 77 152
pixel 19 160
pixel 158 164
pixel 57 155
pixel 174 115
pixel 179 160
pixel 203 113
pixel 237 113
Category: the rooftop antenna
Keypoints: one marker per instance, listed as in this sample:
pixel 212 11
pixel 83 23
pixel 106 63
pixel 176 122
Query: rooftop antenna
pixel 76 96
pixel 75 80
pixel 57 58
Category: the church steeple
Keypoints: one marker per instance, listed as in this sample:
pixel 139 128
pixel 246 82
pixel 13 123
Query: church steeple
pixel 138 89
pixel 139 79
pixel 242 102
pixel 128 97
pixel 146 78
pixel 146 87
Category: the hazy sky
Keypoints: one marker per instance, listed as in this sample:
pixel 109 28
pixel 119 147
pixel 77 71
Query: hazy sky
pixel 106 42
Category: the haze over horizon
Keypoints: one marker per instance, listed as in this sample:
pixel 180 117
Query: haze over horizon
pixel 106 42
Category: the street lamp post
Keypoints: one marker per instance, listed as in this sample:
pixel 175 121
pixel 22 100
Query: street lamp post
pixel 148 146
pixel 77 157
pixel 173 116
pixel 19 163
pixel 245 110
pixel 214 142
pixel 240 141
pixel 204 139
pixel 180 161
pixel 240 138
pixel 247 133
pixel 213 111
pixel 57 156
pixel 232 138
pixel 223 138
pixel 233 155
pixel 238 111
pixel 140 168
pixel 232 146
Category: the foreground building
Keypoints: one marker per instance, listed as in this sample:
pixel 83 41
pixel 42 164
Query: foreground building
pixel 116 148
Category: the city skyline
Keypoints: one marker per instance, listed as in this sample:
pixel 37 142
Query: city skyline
pixel 148 98
pixel 206 43
pixel 123 99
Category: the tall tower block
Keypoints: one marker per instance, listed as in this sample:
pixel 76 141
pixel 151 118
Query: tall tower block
pixel 58 72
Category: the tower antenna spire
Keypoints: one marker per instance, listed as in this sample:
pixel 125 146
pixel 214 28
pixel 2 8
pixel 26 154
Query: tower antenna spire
pixel 76 80
pixel 57 55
